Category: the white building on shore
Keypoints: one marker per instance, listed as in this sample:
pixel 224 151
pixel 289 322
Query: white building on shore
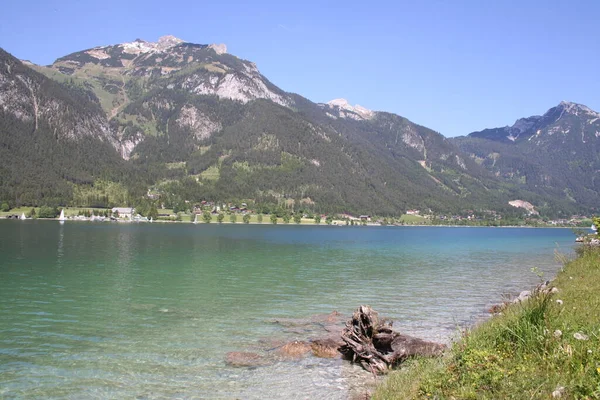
pixel 124 212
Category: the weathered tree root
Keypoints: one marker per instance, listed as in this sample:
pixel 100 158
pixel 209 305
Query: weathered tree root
pixel 372 342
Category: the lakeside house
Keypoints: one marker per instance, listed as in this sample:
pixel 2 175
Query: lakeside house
pixel 123 212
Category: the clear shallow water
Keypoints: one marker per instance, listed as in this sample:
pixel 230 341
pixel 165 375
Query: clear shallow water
pixel 150 311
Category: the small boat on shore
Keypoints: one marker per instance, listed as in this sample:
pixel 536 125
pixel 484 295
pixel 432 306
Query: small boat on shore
pixel 23 217
pixel 62 217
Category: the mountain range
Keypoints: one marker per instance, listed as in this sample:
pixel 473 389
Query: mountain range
pixel 556 155
pixel 191 122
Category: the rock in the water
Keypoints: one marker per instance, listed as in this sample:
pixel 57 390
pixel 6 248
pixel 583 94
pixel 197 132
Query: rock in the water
pixel 244 359
pixel 404 346
pixel 295 349
pixel 326 348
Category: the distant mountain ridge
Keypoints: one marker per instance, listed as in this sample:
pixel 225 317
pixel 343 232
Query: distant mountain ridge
pixel 556 154
pixel 549 123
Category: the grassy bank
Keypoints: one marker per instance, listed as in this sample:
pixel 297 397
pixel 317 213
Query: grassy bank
pixel 549 344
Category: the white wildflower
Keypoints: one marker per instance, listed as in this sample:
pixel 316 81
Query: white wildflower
pixel 558 392
pixel 580 336
pixel 557 333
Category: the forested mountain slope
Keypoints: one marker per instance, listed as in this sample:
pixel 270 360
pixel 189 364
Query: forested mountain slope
pixel 51 138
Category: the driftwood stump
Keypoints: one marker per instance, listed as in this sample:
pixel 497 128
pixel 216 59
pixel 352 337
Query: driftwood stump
pixel 372 342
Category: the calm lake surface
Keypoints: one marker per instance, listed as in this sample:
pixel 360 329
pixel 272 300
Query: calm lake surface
pixel 109 310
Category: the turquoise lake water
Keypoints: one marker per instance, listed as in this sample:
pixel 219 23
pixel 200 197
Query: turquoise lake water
pixel 150 311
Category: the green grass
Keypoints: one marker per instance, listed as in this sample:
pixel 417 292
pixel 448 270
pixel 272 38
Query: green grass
pixel 18 211
pixel 175 165
pixel 520 354
pixel 69 211
pixel 148 126
pixel 211 173
pixel 414 219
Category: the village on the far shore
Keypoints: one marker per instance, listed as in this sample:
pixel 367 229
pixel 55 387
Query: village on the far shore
pixel 216 212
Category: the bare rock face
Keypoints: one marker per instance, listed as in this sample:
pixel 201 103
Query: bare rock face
pixel 243 86
pixel 36 100
pixel 200 124
pixel 346 110
pixel 524 204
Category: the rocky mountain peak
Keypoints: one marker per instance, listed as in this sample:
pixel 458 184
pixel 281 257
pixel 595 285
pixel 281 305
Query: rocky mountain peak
pixel 140 46
pixel 219 48
pixel 577 109
pixel 164 42
pixel 553 121
pixel 165 45
pixel 346 110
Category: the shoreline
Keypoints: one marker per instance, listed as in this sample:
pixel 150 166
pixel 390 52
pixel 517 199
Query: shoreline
pixel 540 345
pixel 370 225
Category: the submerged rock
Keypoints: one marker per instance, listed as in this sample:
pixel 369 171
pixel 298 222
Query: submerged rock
pixel 295 349
pixel 312 322
pixel 244 359
pixel 327 348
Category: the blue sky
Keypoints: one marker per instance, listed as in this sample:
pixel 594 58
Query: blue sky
pixel 453 66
